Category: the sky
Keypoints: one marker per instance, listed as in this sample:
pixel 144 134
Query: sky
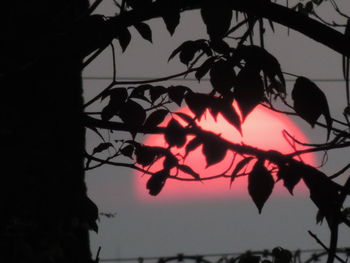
pixel 214 224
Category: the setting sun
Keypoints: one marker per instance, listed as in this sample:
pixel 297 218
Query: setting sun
pixel 262 128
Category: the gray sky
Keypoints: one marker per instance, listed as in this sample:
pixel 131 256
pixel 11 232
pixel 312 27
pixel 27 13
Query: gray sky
pixel 215 225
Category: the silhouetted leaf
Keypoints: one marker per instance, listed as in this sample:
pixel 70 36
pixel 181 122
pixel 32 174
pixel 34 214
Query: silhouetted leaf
pixel 323 191
pixel 249 90
pixel 124 38
pixel 217 17
pixel 187 118
pixel 204 68
pixel 118 95
pixel 144 30
pixel 170 162
pixel 282 255
pixel 108 112
pixel 175 134
pixel 310 102
pixel 101 147
pixel 171 16
pixel 260 184
pixel 214 149
pixel 156 183
pixel 132 114
pixel 248 258
pixel 177 93
pixel 192 145
pixel 156 92
pixel 220 46
pixel 290 176
pixel 197 102
pixel 156 118
pixel 117 100
pixel 127 150
pixel 230 115
pixel 188 49
pixel 239 167
pixel 222 76
pixel 139 93
pixel 257 57
pixel 189 171
pixel 145 155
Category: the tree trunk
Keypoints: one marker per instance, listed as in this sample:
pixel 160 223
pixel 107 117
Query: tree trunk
pixel 45 213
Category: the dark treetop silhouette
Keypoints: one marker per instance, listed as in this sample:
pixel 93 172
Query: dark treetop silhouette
pixel 46 213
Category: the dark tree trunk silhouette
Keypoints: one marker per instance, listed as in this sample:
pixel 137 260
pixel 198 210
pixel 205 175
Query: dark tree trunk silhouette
pixel 44 208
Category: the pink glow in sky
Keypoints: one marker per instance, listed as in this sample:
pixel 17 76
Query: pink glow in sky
pixel 262 128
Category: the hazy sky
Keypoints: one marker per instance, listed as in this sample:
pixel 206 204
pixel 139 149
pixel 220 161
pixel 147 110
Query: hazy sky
pixel 206 225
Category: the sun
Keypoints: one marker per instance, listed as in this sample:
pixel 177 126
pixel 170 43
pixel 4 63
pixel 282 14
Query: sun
pixel 263 128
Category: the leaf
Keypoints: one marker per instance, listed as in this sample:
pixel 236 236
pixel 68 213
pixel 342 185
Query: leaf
pixel 222 76
pixel 260 184
pixel 290 176
pixel 170 162
pixel 220 46
pixel 323 191
pixel 144 30
pixel 192 145
pixel 204 68
pixel 139 93
pixel 249 90
pixel 155 118
pixel 217 18
pixel 188 49
pixel 171 18
pixel 214 149
pixel 177 93
pixel 117 100
pixel 128 150
pixel 248 258
pixel 189 171
pixel 230 115
pixel 124 38
pixel 102 147
pixel 310 102
pixel 197 102
pixel 118 95
pixel 186 118
pixel 175 134
pixel 239 167
pixel 107 113
pixel 132 114
pixel 145 155
pixel 257 57
pixel 156 92
pixel 157 181
pixel 282 255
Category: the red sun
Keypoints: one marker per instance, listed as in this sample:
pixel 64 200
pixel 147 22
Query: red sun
pixel 262 128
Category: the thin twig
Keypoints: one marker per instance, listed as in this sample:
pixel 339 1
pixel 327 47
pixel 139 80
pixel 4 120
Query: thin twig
pixel 324 246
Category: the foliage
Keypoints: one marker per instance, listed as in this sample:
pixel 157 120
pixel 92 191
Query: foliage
pixel 240 71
